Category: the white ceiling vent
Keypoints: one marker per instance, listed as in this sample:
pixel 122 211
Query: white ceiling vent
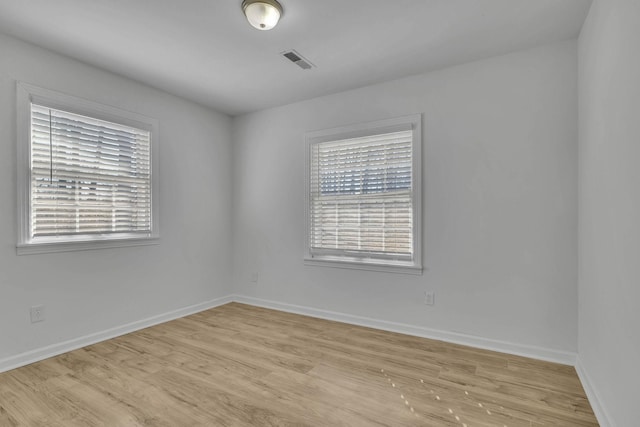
pixel 297 59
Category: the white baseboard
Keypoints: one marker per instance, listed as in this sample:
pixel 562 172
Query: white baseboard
pixel 36 355
pixel 540 353
pixel 603 416
pixel 550 355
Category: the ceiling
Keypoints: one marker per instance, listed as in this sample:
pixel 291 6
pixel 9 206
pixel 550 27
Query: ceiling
pixel 204 50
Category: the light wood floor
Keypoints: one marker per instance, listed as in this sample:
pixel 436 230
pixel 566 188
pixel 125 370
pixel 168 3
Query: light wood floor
pixel 238 365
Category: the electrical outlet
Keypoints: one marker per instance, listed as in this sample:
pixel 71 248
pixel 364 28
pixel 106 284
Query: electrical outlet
pixel 429 298
pixel 37 313
pixel 254 277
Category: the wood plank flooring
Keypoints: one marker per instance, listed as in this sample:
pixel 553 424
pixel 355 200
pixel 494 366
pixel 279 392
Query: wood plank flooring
pixel 238 365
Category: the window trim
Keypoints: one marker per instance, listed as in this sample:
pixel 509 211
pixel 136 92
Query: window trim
pixel 362 130
pixel 27 94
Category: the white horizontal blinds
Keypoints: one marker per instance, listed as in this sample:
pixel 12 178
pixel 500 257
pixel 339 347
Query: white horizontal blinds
pixel 88 176
pixel 361 196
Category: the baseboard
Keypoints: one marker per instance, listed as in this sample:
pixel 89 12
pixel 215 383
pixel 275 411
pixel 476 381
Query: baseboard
pixel 603 416
pixel 36 355
pixel 550 355
pixel 540 353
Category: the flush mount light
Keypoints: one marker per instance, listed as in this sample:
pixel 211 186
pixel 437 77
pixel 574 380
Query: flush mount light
pixel 262 14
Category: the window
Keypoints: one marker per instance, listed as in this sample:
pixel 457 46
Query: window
pixel 363 196
pixel 85 174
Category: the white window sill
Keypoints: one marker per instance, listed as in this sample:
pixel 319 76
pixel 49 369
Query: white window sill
pixel 334 262
pixel 69 246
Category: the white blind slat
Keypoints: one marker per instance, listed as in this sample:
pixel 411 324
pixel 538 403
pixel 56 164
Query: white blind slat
pixel 361 197
pixel 88 176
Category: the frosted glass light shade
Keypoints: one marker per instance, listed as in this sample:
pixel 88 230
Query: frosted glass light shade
pixel 262 14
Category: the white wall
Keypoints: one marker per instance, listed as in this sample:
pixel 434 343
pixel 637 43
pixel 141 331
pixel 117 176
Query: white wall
pixel 500 191
pixel 88 292
pixel 609 285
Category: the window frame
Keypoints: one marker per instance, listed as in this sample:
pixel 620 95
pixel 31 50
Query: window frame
pixel 363 130
pixel 26 94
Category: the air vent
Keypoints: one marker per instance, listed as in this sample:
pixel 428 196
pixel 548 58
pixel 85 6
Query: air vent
pixel 291 56
pixel 297 59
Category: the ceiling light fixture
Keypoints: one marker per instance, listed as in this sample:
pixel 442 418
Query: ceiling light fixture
pixel 262 14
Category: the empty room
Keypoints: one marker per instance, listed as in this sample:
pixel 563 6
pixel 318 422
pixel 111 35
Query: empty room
pixel 319 213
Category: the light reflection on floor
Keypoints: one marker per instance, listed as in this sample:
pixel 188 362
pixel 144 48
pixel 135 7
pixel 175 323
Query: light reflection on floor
pixel 406 401
pixel 437 397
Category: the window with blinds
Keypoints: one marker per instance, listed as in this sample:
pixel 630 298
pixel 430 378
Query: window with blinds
pixel 361 197
pixel 88 176
pixel 88 179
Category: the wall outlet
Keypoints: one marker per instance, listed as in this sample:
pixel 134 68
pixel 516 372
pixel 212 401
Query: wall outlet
pixel 254 277
pixel 429 298
pixel 37 313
